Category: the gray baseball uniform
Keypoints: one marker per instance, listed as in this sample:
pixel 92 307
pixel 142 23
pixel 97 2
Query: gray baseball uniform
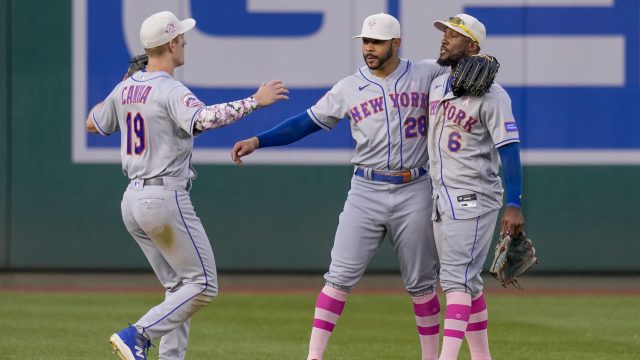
pixel 388 193
pixel 464 133
pixel 156 115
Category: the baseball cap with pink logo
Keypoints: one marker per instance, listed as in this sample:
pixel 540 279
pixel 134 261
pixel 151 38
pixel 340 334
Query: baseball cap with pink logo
pixel 160 28
pixel 380 27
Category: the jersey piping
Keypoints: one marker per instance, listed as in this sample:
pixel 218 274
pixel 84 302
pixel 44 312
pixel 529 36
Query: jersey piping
pixel 386 113
pixel 475 239
pixel 395 87
pixel 317 121
pixel 152 78
pixel 505 142
pixel 446 189
pixel 206 280
pixel 102 132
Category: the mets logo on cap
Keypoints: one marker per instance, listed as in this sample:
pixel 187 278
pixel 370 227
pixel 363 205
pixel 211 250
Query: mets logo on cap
pixel 371 24
pixel 191 100
pixel 170 29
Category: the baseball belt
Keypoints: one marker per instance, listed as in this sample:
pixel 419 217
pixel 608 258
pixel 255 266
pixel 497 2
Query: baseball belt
pixel 391 177
pixel 158 181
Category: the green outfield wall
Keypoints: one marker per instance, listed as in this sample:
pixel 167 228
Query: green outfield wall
pixel 55 214
pixel 5 124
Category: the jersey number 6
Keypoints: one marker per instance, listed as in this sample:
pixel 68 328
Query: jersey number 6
pixel 455 141
pixel 136 140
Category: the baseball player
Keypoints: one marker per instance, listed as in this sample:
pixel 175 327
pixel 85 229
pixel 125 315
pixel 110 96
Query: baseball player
pixel 386 103
pixel 468 138
pixel 158 117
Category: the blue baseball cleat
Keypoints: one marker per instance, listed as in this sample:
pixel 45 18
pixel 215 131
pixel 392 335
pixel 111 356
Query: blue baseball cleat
pixel 129 344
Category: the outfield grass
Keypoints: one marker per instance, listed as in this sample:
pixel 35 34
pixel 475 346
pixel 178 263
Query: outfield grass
pixel 374 326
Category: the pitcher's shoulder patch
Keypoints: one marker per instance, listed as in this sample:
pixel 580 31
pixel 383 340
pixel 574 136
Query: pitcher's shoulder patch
pixel 191 100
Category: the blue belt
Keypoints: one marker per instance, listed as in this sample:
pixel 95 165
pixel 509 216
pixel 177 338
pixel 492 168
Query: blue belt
pixel 392 177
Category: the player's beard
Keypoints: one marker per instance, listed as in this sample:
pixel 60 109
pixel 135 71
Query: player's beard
pixel 381 61
pixel 452 60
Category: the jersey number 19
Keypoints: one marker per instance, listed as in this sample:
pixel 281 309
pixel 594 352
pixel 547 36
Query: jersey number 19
pixel 136 140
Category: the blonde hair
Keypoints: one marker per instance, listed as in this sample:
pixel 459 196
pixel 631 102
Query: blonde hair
pixel 160 50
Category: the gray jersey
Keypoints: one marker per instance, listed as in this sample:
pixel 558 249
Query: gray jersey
pixel 464 133
pixel 388 117
pixel 155 114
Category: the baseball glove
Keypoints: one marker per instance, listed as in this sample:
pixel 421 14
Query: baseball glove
pixel 474 75
pixel 514 255
pixel 139 62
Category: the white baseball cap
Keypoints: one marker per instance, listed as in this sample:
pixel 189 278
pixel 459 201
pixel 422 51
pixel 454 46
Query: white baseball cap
pixel 160 28
pixel 466 25
pixel 380 27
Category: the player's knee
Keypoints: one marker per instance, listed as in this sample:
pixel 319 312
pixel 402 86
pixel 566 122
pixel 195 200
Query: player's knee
pixel 204 298
pixel 338 287
pixel 421 292
pixel 453 286
pixel 210 292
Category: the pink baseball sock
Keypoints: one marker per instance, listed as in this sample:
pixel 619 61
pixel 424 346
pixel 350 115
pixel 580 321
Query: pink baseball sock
pixel 427 311
pixel 455 323
pixel 477 336
pixel 329 307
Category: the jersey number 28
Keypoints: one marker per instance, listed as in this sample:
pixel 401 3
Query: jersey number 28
pixel 415 127
pixel 136 139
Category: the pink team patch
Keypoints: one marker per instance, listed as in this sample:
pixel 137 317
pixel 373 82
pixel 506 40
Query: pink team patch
pixel 371 24
pixel 191 100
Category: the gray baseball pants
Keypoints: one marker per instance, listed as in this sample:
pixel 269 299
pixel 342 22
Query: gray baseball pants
pixel 163 222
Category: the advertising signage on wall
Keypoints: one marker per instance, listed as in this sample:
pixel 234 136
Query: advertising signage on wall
pixel 571 67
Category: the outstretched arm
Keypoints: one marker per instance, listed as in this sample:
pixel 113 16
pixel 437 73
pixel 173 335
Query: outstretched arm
pixel 512 220
pixel 215 116
pixel 287 132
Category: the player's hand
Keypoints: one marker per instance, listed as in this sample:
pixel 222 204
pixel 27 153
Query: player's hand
pixel 242 148
pixel 512 221
pixel 271 92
